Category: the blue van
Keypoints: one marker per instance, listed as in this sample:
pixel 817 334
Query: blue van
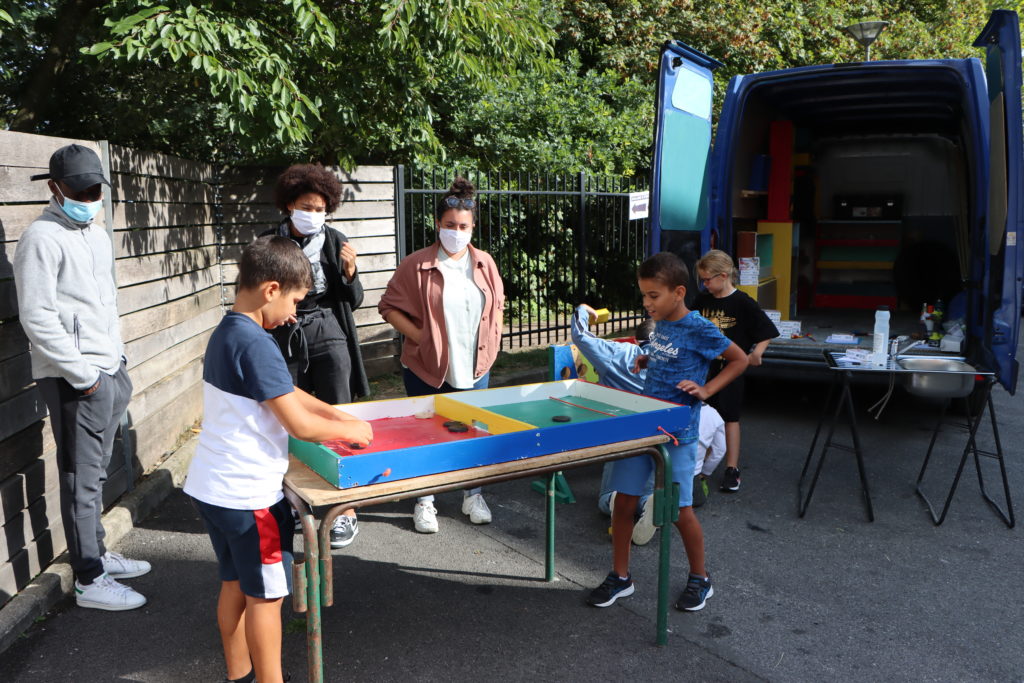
pixel 906 189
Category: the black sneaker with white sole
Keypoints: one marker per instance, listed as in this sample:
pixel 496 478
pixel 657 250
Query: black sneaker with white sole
pixel 613 588
pixel 731 480
pixel 344 531
pixel 698 590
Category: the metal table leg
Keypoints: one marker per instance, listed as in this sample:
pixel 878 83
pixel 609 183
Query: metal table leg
pixel 844 400
pixel 665 513
pixel 308 573
pixel 549 517
pixel 973 422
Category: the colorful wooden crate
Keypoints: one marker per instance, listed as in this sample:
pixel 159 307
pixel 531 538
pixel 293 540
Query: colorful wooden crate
pixel 510 423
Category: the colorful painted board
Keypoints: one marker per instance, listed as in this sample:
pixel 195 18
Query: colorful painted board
pixel 511 423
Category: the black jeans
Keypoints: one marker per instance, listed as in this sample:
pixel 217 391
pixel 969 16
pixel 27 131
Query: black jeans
pixel 316 350
pixel 84 428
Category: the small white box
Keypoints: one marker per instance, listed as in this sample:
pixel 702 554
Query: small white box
pixel 774 316
pixel 787 328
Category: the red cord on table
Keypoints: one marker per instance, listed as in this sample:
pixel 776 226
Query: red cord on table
pixel 675 441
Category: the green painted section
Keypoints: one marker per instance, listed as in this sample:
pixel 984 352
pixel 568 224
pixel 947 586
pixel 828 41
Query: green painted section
pixel 686 146
pixel 765 248
pixel 539 413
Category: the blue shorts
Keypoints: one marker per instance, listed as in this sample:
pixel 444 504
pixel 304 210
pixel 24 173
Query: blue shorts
pixel 253 547
pixel 631 476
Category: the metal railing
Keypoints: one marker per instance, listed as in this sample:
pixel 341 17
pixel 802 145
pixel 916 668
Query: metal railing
pixel 558 241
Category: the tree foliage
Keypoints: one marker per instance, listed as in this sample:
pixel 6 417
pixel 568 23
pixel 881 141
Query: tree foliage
pixel 558 85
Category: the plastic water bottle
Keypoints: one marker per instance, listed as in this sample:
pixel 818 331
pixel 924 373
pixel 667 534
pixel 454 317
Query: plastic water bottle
pixel 880 340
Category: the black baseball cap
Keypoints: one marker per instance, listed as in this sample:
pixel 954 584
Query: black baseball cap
pixel 79 167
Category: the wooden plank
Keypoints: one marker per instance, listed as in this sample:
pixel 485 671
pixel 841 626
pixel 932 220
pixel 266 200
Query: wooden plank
pixel 15 218
pixel 385 244
pixel 156 190
pixel 137 297
pixel 159 434
pixel 7 250
pixel 158 396
pixel 369 227
pixel 26 565
pixel 383 349
pixel 138 269
pixel 143 241
pixel 316 491
pixel 376 333
pixel 151 345
pixel 34 151
pixel 382 366
pixel 266 213
pixel 155 369
pixel 8 300
pixel 12 339
pixel 149 320
pixel 15 375
pixel 17 491
pixel 20 411
pixel 366 263
pixel 126 160
pixel 28 524
pixel 144 214
pixel 20 450
pixel 367 315
pixel 268 175
pixel 248 192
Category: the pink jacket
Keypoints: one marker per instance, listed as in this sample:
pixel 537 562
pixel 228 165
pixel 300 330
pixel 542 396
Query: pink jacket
pixel 415 290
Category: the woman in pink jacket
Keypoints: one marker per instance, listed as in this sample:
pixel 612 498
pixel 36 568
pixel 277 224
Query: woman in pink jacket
pixel 446 300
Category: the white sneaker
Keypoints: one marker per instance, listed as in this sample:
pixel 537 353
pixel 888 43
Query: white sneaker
pixel 424 515
pixel 105 593
pixel 120 567
pixel 476 507
pixel 644 528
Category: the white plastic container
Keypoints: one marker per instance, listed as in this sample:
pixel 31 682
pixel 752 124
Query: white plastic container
pixel 880 339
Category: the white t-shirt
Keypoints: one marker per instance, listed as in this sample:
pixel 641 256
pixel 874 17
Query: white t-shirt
pixel 242 454
pixel 463 308
pixel 712 440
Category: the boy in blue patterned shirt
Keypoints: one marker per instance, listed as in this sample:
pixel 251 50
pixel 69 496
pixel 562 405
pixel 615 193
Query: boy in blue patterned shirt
pixel 680 350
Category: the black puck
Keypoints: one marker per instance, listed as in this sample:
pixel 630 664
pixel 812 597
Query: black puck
pixel 561 418
pixel 356 446
pixel 449 423
pixel 457 427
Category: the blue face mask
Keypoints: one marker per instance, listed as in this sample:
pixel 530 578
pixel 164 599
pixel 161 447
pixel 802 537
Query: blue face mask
pixel 82 212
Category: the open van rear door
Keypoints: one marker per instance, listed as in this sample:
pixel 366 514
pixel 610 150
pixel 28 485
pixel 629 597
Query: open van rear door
pixel 1004 266
pixel 680 185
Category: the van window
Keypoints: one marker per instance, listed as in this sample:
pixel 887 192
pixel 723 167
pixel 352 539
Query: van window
pixel 692 93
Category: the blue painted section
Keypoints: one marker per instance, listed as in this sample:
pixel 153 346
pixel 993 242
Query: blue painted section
pixel 405 463
pixel 1001 40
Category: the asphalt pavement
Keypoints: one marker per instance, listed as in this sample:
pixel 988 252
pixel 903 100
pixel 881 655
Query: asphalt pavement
pixel 827 597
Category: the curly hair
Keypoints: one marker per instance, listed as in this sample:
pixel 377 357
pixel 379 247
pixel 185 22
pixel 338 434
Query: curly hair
pixel 299 179
pixel 460 189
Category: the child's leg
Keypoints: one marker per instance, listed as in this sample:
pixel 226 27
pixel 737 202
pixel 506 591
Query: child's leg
pixel 622 531
pixel 231 621
pixel 263 634
pixel 732 444
pixel 693 539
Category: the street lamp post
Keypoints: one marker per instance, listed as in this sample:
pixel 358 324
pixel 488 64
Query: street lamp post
pixel 865 33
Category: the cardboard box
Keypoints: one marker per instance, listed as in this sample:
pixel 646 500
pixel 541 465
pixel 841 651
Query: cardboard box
pixel 787 328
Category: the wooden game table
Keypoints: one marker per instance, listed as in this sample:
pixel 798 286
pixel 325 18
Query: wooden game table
pixel 306 490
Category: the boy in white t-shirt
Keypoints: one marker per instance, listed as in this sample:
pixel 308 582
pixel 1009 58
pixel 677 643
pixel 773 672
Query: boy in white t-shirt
pixel 236 477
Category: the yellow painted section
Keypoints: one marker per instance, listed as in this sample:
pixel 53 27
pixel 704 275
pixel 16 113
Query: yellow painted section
pixel 463 412
pixel 782 261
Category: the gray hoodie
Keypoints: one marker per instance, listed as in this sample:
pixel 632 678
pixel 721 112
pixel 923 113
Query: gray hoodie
pixel 67 299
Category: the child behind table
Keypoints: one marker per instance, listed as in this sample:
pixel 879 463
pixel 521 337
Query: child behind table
pixel 236 476
pixel 681 347
pixel 740 319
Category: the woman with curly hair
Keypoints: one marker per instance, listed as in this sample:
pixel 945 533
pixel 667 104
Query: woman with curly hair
pixel 321 346
pixel 446 300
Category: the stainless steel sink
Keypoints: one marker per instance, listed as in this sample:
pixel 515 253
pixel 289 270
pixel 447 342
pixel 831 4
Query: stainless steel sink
pixel 937 377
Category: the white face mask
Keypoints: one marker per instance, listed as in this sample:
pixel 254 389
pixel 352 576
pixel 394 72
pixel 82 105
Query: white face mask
pixel 308 222
pixel 455 241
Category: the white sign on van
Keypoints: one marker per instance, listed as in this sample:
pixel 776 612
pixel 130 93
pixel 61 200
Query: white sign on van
pixel 1011 239
pixel 638 205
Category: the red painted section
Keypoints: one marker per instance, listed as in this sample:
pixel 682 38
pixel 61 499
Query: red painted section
pixel 393 433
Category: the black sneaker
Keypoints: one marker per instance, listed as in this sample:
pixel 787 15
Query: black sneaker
pixel 698 590
pixel 611 590
pixel 731 480
pixel 344 531
pixel 700 490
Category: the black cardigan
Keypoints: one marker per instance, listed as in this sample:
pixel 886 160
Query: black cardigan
pixel 344 298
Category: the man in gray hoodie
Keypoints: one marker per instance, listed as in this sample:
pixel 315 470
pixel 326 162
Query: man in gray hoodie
pixel 67 304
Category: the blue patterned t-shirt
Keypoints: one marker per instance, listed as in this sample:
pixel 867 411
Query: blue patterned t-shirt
pixel 678 350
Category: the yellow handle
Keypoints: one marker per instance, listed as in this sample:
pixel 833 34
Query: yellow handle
pixel 603 315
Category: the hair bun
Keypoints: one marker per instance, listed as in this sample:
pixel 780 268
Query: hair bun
pixel 461 188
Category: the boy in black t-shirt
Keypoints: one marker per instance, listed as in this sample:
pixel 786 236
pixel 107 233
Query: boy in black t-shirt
pixel 743 322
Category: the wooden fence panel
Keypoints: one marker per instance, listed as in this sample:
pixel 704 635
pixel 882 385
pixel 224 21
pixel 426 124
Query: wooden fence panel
pixel 175 270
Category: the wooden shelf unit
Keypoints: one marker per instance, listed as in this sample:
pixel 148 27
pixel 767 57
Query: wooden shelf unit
pixel 849 256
